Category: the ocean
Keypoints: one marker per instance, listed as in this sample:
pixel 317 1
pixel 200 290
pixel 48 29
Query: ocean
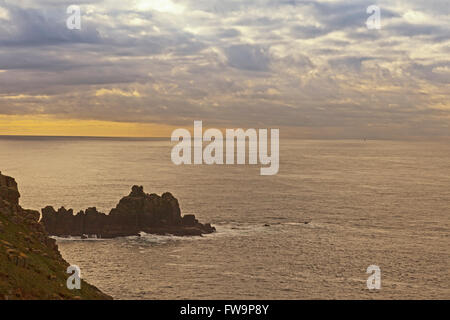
pixel 383 203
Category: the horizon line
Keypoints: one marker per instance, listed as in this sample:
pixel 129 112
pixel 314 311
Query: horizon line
pixel 418 139
pixel 69 136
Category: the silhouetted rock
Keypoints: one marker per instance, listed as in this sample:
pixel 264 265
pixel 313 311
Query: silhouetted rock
pixel 133 214
pixel 8 190
pixel 189 220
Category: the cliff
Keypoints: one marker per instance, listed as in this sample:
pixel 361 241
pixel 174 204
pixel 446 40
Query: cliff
pixel 31 266
pixel 135 213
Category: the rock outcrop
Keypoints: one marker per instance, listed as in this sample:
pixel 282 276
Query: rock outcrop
pixel 135 213
pixel 31 266
pixel 8 190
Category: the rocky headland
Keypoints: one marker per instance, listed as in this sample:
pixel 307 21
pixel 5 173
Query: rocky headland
pixel 31 266
pixel 135 213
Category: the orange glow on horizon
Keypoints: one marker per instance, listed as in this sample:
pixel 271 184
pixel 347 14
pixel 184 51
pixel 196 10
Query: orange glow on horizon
pixel 49 126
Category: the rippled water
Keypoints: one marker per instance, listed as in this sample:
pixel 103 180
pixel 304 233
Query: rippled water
pixel 382 203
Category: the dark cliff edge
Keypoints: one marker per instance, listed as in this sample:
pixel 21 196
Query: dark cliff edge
pixel 31 267
pixel 135 213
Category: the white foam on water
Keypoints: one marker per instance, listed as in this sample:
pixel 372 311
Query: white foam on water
pixel 71 238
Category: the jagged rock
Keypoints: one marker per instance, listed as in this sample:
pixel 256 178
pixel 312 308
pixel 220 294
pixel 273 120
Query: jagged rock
pixel 8 190
pixel 189 220
pixel 6 244
pixel 51 277
pixel 31 215
pixel 20 259
pixel 134 213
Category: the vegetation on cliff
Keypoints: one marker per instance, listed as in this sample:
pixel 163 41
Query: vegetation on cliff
pixel 31 267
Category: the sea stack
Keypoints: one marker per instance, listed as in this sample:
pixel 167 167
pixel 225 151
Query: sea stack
pixel 135 213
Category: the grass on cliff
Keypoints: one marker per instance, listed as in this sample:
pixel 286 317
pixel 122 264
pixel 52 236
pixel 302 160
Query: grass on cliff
pixel 41 273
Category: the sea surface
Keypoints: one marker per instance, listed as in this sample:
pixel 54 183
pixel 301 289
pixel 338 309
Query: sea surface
pixel 384 203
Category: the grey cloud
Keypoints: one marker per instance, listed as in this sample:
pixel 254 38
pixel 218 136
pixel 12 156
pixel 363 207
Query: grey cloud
pixel 248 57
pixel 426 71
pixel 32 27
pixel 341 14
pixel 228 33
pixel 308 32
pixel 352 63
pixel 412 30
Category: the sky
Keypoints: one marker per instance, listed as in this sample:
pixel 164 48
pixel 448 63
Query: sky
pixel 313 69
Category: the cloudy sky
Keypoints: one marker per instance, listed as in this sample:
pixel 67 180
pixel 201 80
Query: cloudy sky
pixel 144 67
